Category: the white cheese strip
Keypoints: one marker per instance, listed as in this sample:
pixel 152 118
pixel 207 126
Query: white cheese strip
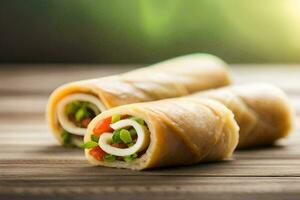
pixel 63 118
pixel 141 143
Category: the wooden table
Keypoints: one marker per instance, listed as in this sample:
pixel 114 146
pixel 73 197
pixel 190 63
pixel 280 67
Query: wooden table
pixel 34 166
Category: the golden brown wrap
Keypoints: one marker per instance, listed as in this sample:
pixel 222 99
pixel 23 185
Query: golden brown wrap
pixel 262 112
pixel 182 131
pixel 172 78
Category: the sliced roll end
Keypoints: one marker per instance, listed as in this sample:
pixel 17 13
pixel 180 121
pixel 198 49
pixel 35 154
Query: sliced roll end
pixel 210 135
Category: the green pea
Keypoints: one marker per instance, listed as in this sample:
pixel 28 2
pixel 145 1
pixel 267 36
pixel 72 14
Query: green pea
pixel 125 136
pixel 72 107
pixel 89 145
pixel 130 158
pixel 95 138
pixel 115 118
pixel 81 113
pixel 66 137
pixel 116 136
pixel 109 158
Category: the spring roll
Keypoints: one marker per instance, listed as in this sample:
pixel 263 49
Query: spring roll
pixel 71 107
pixel 162 133
pixel 262 112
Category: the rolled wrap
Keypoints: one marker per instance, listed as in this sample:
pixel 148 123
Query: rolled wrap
pixel 172 78
pixel 261 110
pixel 182 131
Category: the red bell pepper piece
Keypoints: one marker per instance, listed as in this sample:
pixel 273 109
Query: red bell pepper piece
pixel 103 126
pixel 97 153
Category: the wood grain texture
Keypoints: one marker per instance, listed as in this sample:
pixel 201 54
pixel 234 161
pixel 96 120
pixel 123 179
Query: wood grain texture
pixel 34 166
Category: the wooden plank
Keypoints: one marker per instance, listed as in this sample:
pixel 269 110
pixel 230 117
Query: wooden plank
pixel 66 168
pixel 25 104
pixel 36 150
pixel 155 187
pixel 43 79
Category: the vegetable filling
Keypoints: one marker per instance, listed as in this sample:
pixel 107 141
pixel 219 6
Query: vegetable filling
pixel 81 113
pixel 74 113
pixel 121 138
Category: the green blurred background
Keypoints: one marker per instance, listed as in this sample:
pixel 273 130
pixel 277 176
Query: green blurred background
pixel 143 31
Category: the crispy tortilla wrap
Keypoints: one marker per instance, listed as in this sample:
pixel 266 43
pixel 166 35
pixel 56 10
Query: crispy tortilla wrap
pixel 179 131
pixel 261 110
pixel 71 107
